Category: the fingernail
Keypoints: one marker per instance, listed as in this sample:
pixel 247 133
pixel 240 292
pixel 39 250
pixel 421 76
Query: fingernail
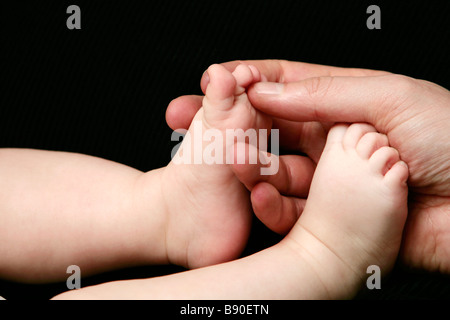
pixel 271 88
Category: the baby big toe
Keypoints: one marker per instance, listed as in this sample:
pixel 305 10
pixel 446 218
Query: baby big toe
pixel 220 91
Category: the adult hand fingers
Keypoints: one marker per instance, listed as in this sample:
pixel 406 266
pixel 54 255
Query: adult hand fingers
pixel 277 212
pixel 291 175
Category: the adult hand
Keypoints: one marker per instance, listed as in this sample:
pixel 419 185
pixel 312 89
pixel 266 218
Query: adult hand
pixel 414 114
pixel 181 111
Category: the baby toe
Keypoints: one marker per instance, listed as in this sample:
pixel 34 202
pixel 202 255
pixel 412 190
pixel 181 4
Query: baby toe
pixel 220 91
pixel 371 142
pixel 383 159
pixel 336 135
pixel 397 175
pixel 245 75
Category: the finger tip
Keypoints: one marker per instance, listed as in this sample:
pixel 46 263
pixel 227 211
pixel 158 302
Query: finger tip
pixel 171 114
pixel 181 111
pixel 263 195
pixel 267 206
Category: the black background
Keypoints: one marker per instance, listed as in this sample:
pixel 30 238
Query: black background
pixel 103 90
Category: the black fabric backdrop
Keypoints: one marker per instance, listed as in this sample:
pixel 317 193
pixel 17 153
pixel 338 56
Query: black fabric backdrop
pixel 103 90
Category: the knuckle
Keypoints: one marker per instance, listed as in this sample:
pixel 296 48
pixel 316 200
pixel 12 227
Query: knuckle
pixel 318 88
pixel 398 94
pixel 403 84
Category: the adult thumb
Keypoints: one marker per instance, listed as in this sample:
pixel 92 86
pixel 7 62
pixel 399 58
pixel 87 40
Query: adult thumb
pixel 332 99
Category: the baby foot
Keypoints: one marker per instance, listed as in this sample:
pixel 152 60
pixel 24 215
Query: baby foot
pixel 357 205
pixel 210 221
